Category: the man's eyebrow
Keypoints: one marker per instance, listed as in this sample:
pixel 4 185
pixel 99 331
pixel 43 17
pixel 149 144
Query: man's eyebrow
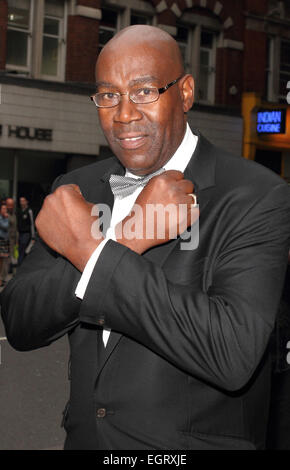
pixel 135 81
pixel 145 79
pixel 101 83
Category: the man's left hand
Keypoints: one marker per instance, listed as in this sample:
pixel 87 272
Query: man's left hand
pixel 64 223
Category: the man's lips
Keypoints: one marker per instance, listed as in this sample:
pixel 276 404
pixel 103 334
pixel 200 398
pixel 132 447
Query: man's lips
pixel 131 141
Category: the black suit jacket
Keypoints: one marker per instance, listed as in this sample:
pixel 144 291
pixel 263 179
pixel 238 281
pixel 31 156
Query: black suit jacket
pixel 187 363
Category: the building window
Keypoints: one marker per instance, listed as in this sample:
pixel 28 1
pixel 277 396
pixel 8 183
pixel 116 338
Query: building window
pixel 278 69
pixel 198 50
pixel 120 16
pixel 138 18
pixel 19 34
pixel 109 25
pixel 270 89
pixel 183 39
pixel 206 78
pixel 38 52
pixel 53 39
pixel 284 76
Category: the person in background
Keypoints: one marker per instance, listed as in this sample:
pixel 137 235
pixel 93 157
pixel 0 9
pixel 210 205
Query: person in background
pixel 26 229
pixel 13 233
pixel 4 244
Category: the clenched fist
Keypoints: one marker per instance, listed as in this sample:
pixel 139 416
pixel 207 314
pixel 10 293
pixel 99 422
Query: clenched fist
pixel 64 223
pixel 163 210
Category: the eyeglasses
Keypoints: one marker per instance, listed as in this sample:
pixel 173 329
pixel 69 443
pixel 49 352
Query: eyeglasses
pixel 142 95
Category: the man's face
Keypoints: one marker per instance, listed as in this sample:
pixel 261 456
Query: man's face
pixel 3 210
pixel 10 205
pixel 142 136
pixel 23 202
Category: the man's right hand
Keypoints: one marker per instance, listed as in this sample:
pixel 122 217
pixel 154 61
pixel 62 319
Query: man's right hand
pixel 169 193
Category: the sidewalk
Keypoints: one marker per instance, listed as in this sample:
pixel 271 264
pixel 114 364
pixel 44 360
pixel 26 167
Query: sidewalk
pixel 34 389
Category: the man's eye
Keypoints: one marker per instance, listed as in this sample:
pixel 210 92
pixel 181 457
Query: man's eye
pixel 108 96
pixel 145 91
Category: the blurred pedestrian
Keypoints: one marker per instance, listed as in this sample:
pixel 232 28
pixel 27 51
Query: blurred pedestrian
pixel 26 229
pixel 4 244
pixel 13 232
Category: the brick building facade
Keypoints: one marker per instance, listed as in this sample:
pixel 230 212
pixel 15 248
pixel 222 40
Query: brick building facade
pixel 237 50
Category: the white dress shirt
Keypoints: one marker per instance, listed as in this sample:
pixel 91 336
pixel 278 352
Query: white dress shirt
pixel 122 207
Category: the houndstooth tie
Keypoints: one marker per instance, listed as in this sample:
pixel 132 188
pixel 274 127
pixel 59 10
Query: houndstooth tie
pixel 123 186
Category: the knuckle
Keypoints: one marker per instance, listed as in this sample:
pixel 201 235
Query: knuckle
pixel 61 189
pixel 62 192
pixel 159 181
pixel 46 201
pixel 57 192
pixel 58 189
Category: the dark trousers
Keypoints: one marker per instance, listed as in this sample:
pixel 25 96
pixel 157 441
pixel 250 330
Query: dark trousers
pixel 24 239
pixel 279 419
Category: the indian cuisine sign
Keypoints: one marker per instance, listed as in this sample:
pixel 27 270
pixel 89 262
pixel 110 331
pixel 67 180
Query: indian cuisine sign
pixel 271 121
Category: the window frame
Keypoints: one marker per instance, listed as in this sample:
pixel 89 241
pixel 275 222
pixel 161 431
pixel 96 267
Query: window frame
pixel 148 17
pixel 26 70
pixel 192 64
pixel 270 70
pixel 210 99
pixel 187 45
pixel 61 45
pixel 109 28
pixel 124 10
pixel 273 84
pixel 282 98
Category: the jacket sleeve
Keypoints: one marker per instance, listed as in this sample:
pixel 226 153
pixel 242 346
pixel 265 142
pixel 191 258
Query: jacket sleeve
pixel 39 305
pixel 220 334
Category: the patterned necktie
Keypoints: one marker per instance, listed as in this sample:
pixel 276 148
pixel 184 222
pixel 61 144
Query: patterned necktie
pixel 123 186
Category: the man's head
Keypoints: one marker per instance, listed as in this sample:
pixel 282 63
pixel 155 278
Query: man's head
pixel 3 210
pixel 10 205
pixel 23 202
pixel 143 136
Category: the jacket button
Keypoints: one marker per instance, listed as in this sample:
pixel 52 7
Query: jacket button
pixel 101 413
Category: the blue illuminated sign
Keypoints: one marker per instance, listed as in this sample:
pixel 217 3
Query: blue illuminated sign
pixel 271 121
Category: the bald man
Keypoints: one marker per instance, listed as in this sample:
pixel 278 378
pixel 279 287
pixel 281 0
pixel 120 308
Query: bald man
pixel 168 330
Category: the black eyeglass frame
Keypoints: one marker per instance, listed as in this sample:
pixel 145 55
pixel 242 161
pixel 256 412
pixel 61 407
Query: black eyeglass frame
pixel 160 92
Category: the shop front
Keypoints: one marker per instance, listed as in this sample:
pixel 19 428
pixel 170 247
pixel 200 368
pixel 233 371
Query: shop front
pixel 43 133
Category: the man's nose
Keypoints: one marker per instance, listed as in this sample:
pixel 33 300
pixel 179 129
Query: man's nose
pixel 127 111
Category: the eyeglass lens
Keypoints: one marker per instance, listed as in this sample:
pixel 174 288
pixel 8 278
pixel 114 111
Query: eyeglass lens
pixel 139 96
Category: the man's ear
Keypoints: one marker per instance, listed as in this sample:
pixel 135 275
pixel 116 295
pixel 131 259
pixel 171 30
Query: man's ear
pixel 187 90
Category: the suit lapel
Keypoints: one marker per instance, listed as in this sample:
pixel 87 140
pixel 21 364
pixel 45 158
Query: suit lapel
pixel 201 171
pixel 105 352
pixel 101 193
